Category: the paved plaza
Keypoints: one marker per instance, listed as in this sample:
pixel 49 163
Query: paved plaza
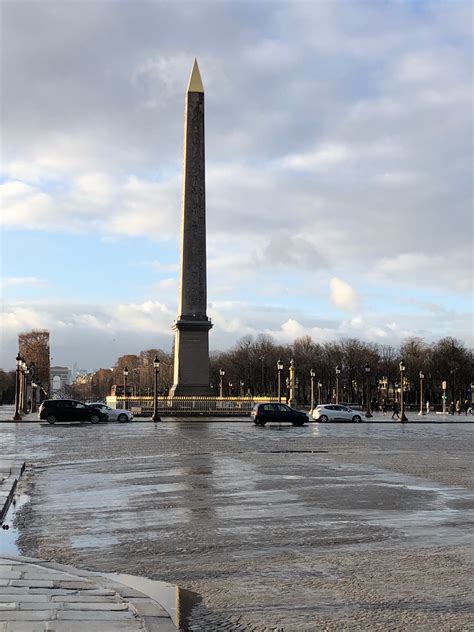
pixel 326 527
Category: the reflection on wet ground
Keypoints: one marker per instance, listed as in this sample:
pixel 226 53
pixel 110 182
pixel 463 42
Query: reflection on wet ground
pixel 200 503
pixel 9 533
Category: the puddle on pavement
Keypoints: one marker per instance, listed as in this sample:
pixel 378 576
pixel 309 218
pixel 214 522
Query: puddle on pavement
pixel 178 602
pixel 9 537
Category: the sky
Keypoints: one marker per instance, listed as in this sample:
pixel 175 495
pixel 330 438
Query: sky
pixel 339 162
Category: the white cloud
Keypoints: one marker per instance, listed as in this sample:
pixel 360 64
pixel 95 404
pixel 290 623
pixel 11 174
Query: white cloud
pixel 324 157
pixel 343 295
pixel 30 281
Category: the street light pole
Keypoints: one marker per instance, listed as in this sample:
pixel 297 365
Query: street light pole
pixel 320 386
pixel 242 384
pixel 17 416
pixel 221 383
pixel 125 375
pixel 156 367
pixel 279 370
pixel 368 413
pixel 24 371
pixel 27 373
pixel 338 373
pixel 402 404
pixel 422 375
pixel 312 375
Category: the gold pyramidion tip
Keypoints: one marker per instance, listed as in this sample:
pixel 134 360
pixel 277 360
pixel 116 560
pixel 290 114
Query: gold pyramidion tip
pixel 195 81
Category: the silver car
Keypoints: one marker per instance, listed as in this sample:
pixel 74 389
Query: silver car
pixel 113 414
pixel 334 412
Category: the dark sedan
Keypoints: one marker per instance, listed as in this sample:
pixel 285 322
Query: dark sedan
pixel 53 410
pixel 280 413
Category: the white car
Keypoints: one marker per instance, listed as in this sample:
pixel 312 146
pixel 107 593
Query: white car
pixel 113 414
pixel 334 412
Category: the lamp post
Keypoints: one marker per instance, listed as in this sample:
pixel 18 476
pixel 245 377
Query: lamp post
pixel 156 367
pixel 422 411
pixel 279 370
pixel 230 389
pixel 33 397
pixel 338 373
pixel 125 375
pixel 242 384
pixel 26 409
pixel 320 386
pixel 17 416
pixel 221 383
pixel 24 368
pixel 22 384
pixel 367 372
pixel 402 404
pixel 312 375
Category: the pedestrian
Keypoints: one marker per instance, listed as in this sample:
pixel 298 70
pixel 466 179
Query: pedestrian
pixel 451 408
pixel 384 407
pixel 466 406
pixel 396 411
pixel 458 407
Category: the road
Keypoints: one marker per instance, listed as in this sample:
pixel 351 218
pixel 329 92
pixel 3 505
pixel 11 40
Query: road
pixel 325 527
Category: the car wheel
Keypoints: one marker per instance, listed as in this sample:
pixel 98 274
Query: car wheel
pixel 357 418
pixel 51 419
pixel 323 418
pixel 95 419
pixel 122 418
pixel 298 423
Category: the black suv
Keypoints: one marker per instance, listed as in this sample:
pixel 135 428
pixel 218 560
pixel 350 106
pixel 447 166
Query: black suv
pixel 53 410
pixel 262 413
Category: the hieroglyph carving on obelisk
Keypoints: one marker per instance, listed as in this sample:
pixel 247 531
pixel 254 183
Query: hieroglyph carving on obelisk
pixel 191 353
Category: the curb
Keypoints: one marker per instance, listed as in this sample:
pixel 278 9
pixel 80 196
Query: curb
pixel 14 471
pixel 150 612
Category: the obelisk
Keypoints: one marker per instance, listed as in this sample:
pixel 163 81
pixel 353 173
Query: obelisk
pixel 191 350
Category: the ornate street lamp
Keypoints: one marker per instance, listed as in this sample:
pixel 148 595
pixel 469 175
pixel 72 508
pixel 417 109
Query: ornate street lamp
pixel 22 385
pixel 221 383
pixel 17 416
pixel 33 397
pixel 125 375
pixel 338 373
pixel 402 404
pixel 279 370
pixel 26 409
pixel 156 367
pixel 422 411
pixel 367 372
pixel 312 375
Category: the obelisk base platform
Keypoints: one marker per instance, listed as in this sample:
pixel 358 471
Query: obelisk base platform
pixel 191 358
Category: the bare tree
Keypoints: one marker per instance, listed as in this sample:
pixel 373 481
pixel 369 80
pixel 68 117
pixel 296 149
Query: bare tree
pixel 34 348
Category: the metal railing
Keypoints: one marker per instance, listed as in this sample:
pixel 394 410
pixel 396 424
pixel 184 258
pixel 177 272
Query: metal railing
pixel 182 406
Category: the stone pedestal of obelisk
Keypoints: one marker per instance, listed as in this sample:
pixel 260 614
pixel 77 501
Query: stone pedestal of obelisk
pixel 191 351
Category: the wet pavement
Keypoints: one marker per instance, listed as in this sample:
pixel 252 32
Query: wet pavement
pixel 329 526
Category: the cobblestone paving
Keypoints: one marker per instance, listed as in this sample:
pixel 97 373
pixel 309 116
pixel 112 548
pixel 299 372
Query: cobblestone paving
pixel 326 527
